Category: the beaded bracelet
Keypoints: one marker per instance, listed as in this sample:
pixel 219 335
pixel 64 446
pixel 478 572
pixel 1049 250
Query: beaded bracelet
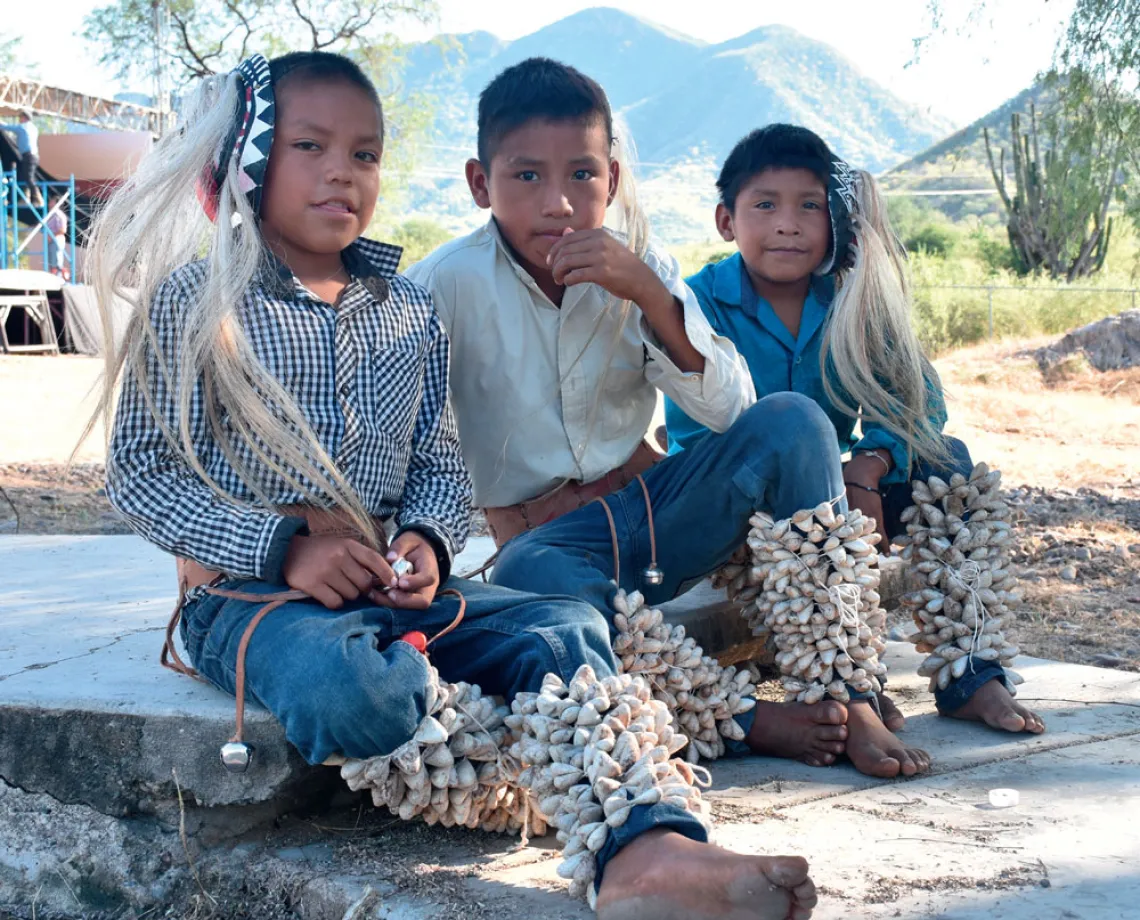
pixel 859 485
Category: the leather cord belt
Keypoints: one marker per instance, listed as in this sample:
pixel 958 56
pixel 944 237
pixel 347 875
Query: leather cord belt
pixel 510 520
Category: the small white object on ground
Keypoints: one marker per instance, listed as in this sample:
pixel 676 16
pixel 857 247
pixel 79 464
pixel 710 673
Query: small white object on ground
pixel 1004 798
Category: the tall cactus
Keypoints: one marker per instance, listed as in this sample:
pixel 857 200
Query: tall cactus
pixel 1058 213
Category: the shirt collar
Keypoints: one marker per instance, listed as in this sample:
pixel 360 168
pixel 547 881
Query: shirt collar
pixel 728 278
pixel 367 261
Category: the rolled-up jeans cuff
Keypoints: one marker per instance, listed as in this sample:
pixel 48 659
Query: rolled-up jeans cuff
pixel 645 818
pixel 978 673
pixel 734 748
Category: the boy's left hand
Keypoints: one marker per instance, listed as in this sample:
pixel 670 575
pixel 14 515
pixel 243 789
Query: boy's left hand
pixel 596 256
pixel 864 470
pixel 415 591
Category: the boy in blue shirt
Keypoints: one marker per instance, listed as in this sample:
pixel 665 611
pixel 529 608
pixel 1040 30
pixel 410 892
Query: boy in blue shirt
pixel 793 217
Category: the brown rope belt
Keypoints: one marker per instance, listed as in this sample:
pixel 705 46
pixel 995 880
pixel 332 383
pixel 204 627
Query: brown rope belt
pixel 236 753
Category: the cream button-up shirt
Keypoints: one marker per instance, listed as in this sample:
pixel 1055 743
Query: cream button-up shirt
pixel 535 401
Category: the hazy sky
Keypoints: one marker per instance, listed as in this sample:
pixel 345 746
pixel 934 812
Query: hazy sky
pixel 962 75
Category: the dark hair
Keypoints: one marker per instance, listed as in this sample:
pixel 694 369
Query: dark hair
pixel 537 88
pixel 323 66
pixel 772 147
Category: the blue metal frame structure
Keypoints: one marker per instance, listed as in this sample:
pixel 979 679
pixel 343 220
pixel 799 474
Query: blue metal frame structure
pixel 15 202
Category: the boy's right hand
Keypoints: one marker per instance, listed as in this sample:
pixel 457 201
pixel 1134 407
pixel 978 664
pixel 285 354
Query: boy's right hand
pixel 333 569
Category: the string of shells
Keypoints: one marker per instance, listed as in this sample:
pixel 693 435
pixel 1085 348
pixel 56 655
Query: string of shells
pixel 453 771
pixel 702 696
pixel 958 542
pixel 735 577
pixel 818 574
pixel 593 751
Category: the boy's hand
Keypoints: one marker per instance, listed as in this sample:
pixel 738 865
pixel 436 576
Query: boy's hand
pixel 415 591
pixel 596 256
pixel 865 470
pixel 333 570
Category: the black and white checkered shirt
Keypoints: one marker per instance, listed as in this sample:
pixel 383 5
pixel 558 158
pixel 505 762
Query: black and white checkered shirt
pixel 370 376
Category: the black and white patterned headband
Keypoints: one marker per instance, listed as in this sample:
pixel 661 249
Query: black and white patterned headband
pixel 248 142
pixel 842 196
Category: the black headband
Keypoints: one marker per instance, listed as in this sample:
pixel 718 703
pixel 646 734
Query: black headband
pixel 248 141
pixel 842 195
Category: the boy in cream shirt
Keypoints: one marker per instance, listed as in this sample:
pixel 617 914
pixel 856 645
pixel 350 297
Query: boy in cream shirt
pixel 561 334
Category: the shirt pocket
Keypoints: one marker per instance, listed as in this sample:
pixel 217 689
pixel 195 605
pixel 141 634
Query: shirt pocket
pixel 397 391
pixel 621 402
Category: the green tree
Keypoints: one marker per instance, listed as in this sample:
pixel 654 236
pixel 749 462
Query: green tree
pixel 1065 168
pixel 201 37
pixel 188 39
pixel 10 55
pixel 418 237
pixel 1096 74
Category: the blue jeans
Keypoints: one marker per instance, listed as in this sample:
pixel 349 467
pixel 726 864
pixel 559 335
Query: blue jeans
pixel 339 681
pixel 896 498
pixel 780 456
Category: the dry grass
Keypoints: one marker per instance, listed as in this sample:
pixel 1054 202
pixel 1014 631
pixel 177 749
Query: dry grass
pixel 1079 427
pixel 1072 437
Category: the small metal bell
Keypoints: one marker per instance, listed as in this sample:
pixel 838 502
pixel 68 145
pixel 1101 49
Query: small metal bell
pixel 237 756
pixel 652 575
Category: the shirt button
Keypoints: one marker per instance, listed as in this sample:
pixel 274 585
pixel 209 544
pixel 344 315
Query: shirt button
pixel 799 360
pixel 345 389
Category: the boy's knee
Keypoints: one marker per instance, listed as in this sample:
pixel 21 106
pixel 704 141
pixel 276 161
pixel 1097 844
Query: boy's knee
pixel 369 704
pixel 574 634
pixel 786 418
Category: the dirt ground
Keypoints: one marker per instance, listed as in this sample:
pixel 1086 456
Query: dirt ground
pixel 1068 445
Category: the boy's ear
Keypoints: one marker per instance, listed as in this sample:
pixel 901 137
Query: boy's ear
pixel 479 183
pixel 615 177
pixel 724 223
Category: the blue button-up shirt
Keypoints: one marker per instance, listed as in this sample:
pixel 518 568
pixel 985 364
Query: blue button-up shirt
pixel 780 362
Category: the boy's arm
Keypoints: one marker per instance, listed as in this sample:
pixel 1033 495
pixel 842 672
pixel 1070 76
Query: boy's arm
pixel 715 398
pixel 437 491
pixel 165 501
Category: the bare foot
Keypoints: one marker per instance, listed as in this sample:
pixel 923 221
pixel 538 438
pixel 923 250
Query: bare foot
pixel 892 717
pixel 874 750
pixel 813 734
pixel 664 876
pixel 992 704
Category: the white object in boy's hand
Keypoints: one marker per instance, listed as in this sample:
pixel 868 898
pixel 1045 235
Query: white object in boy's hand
pixel 400 568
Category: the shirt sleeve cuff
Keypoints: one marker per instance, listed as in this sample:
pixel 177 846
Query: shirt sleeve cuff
pixel 273 568
pixel 439 543
pixel 900 457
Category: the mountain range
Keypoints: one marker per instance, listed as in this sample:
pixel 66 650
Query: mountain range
pixel 686 103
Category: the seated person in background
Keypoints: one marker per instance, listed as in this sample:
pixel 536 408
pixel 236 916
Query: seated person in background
pixel 819 280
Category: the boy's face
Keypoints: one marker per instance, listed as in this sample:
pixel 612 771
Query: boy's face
pixel 324 169
pixel 780 224
pixel 546 177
